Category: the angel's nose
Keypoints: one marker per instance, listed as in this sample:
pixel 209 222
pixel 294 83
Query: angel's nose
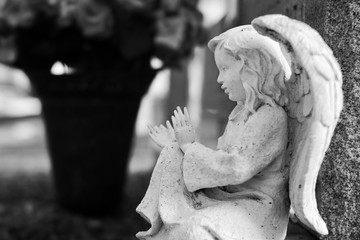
pixel 220 80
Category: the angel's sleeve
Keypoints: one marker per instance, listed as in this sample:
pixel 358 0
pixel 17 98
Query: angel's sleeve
pixel 264 139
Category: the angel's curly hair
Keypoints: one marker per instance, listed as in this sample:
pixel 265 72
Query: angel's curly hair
pixel 269 85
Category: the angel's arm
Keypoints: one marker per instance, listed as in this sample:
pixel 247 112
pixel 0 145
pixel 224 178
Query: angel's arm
pixel 264 139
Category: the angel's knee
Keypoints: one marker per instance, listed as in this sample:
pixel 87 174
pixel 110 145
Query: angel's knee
pixel 172 148
pixel 171 151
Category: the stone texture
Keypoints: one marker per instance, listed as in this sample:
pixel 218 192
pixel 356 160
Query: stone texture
pixel 338 21
pixel 249 9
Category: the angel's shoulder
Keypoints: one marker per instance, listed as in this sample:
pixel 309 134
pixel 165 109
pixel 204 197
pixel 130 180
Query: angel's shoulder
pixel 270 115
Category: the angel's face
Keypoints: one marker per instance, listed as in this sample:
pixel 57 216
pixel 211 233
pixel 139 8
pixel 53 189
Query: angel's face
pixel 229 75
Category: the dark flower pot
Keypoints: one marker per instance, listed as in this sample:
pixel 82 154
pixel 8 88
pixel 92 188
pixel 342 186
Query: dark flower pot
pixel 89 143
pixel 89 120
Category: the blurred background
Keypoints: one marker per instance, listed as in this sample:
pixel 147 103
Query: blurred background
pixel 79 83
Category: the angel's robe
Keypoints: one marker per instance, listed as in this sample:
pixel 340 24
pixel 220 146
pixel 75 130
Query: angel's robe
pixel 236 192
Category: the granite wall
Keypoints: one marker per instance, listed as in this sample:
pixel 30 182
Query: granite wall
pixel 338 21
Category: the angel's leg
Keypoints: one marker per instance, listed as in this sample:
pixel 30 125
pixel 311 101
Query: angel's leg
pixel 173 196
pixel 148 208
pixel 231 220
pixel 165 201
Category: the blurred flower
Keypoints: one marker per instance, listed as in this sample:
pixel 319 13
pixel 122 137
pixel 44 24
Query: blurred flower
pixel 131 5
pixel 170 31
pixel 171 5
pixel 170 27
pixel 94 18
pixel 18 13
pixel 8 52
pixel 67 11
pixel 179 29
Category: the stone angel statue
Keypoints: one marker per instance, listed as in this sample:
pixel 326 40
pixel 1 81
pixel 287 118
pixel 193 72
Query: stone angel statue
pixel 287 86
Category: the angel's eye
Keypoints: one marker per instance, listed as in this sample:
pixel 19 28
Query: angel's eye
pixel 224 68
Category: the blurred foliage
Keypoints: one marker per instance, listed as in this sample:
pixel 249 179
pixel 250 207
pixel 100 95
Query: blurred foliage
pixel 67 29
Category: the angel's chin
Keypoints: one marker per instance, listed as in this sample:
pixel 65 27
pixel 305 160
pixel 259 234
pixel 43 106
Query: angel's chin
pixel 233 100
pixel 232 97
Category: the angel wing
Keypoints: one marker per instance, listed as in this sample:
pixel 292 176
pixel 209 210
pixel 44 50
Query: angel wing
pixel 314 105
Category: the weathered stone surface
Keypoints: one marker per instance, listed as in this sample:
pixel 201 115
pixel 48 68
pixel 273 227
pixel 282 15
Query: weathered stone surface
pixel 338 21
